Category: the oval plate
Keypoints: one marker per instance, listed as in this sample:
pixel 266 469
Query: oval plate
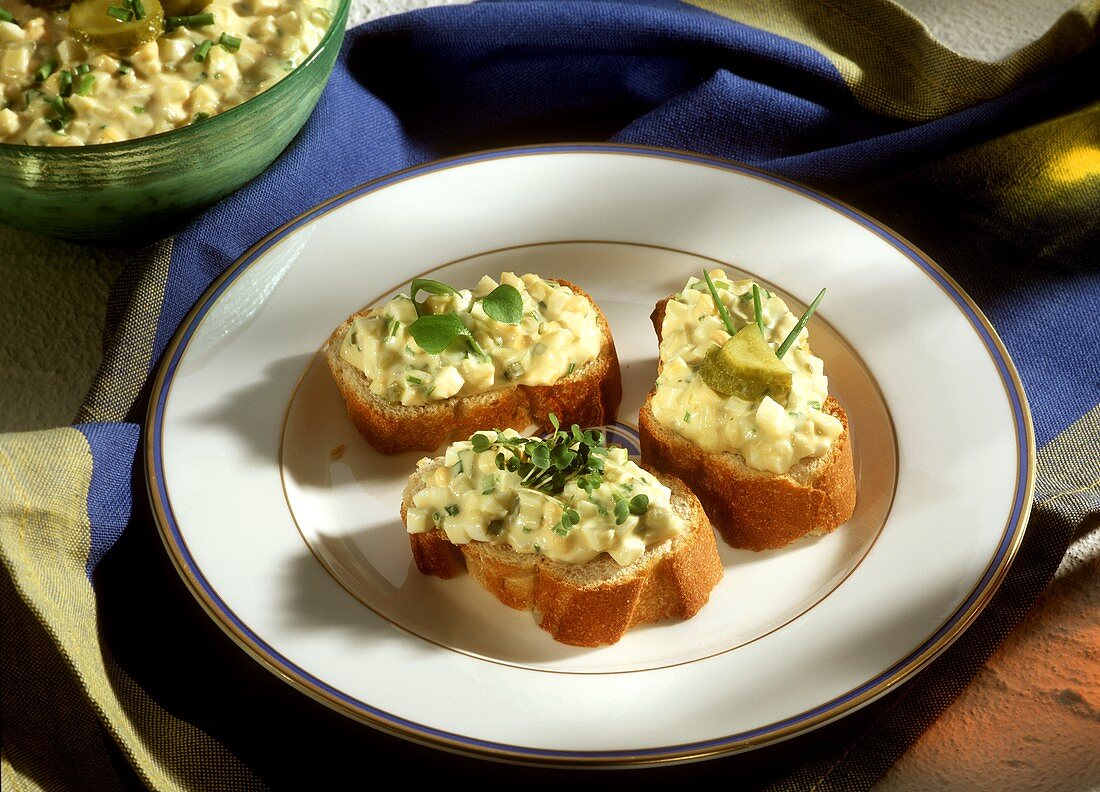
pixel 285 524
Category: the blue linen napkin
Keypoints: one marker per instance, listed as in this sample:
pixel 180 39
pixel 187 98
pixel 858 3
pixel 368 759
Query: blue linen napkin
pixel 992 169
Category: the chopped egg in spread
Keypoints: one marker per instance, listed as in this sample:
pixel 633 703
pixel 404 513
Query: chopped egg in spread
pixel 487 495
pixel 769 435
pixel 558 333
pixel 57 91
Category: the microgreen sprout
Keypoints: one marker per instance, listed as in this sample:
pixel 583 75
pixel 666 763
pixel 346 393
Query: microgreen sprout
pixel 546 464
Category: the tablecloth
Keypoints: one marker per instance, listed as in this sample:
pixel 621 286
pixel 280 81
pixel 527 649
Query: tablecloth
pixel 993 169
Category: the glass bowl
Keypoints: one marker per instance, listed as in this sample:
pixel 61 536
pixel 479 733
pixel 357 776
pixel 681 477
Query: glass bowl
pixel 141 189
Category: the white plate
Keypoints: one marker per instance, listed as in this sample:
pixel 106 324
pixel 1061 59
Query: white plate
pixel 285 524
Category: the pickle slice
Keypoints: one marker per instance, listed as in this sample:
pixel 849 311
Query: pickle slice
pixel 92 25
pixel 746 367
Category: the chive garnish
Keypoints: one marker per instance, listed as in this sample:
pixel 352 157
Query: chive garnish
pixel 119 13
pixel 65 83
pixel 84 85
pixel 200 116
pixel 83 68
pixel 789 340
pixel 5 16
pixel 64 114
pixel 203 50
pixel 125 67
pixel 757 308
pixel 192 21
pixel 138 8
pixel 231 43
pixel 719 304
pixel 392 326
pixel 137 109
pixel 45 70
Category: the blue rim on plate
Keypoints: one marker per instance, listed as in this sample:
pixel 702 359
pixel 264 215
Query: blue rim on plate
pixel 900 671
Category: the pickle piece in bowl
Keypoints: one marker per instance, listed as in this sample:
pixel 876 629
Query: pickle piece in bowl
pixel 116 24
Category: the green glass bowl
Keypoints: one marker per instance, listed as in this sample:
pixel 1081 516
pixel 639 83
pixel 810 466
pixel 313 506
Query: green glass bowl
pixel 142 189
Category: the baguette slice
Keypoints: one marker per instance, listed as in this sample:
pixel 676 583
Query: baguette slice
pixel 590 604
pixel 753 509
pixel 589 396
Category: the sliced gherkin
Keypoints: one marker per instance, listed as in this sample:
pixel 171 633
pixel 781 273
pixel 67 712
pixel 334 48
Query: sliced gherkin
pixel 91 23
pixel 746 366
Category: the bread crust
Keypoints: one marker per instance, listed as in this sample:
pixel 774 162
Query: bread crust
pixel 589 396
pixel 753 509
pixel 591 604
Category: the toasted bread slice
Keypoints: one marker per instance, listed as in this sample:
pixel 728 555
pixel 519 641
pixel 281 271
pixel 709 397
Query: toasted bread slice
pixel 589 604
pixel 753 509
pixel 589 396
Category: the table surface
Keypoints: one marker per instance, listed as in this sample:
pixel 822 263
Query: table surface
pixel 1031 717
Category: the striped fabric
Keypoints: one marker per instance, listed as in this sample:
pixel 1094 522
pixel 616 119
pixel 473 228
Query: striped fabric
pixel 113 677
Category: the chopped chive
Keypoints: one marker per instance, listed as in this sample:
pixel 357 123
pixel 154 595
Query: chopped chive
pixel 137 109
pixel 414 380
pixel 61 107
pixel 231 43
pixel 392 326
pixel 125 67
pixel 65 83
pixel 45 70
pixel 5 16
pixel 451 509
pixel 203 50
pixel 64 114
pixel 119 13
pixel 687 417
pixel 789 340
pixel 815 404
pixel 757 308
pixel 200 116
pixel 84 86
pixel 83 68
pixel 192 21
pixel 719 304
pixel 572 367
pixel 29 97
pixel 138 8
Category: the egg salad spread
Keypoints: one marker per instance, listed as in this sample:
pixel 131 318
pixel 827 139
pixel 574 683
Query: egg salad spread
pixel 555 333
pixel 771 432
pixel 103 71
pixel 568 498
